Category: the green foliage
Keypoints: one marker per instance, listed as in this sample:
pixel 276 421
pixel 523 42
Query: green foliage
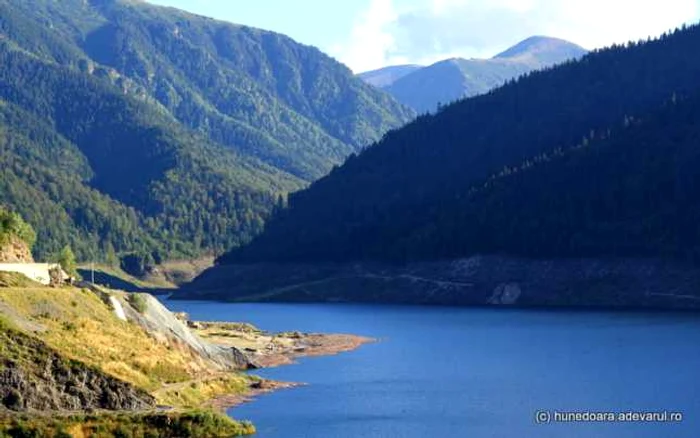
pixel 12 224
pixel 129 128
pixel 66 259
pixel 593 158
pixel 191 424
pixel 14 279
pixel 137 264
pixel 138 302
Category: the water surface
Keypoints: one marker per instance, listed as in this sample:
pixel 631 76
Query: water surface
pixel 454 372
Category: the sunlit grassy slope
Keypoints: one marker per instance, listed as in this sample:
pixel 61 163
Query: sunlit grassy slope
pixel 80 326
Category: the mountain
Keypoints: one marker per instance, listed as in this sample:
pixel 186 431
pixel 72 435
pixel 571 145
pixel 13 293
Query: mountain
pixel 426 88
pixel 540 51
pixel 127 127
pixel 594 159
pixel 386 76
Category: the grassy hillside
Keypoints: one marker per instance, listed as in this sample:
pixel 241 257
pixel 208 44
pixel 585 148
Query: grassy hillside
pixel 156 425
pixel 12 279
pixel 53 337
pixel 38 378
pixel 80 326
pixel 132 128
pixel 115 278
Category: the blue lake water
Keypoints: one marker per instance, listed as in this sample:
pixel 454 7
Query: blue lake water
pixel 452 372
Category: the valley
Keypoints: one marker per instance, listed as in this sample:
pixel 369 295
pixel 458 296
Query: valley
pixel 198 215
pixel 591 187
pixel 136 130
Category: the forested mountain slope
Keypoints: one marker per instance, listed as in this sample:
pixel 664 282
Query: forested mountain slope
pixel 593 158
pixel 126 127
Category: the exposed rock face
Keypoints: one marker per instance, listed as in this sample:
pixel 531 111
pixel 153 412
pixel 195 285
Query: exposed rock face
pixel 506 294
pixel 159 321
pixel 15 251
pixel 117 308
pixel 45 381
pixel 480 280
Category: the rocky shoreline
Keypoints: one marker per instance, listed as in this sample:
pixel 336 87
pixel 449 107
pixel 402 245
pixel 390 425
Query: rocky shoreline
pixel 269 350
pixel 226 402
pixel 606 283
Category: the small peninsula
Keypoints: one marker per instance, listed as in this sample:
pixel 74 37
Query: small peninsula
pixel 82 360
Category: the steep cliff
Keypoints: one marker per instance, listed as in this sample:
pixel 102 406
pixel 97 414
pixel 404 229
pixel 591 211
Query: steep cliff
pixel 162 324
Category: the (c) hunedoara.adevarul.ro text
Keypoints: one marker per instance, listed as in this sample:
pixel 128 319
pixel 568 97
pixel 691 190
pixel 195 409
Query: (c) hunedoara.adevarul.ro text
pixel 548 417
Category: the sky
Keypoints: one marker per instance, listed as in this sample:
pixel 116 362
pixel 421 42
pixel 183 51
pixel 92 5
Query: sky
pixel 370 34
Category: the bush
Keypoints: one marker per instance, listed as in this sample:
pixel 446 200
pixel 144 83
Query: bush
pixel 138 302
pixel 137 264
pixel 12 224
pixel 66 259
pixel 61 433
pixel 193 424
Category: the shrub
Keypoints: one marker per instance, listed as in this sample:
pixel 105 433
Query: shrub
pixel 137 264
pixel 193 424
pixel 12 224
pixel 138 302
pixel 61 433
pixel 66 259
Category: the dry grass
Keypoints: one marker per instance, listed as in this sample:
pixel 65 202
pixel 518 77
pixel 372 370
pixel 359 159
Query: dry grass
pixel 243 336
pixel 82 327
pixel 183 271
pixel 196 393
pixel 192 424
pixel 14 279
pixel 114 277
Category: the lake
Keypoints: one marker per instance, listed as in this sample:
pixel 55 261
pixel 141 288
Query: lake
pixel 459 372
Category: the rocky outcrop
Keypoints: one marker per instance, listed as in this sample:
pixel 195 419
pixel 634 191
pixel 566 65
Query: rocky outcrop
pixel 160 322
pixel 481 280
pixel 117 308
pixel 35 378
pixel 15 251
pixel 506 294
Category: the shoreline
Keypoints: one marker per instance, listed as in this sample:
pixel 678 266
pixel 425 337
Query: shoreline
pixel 225 402
pixel 271 350
pixel 312 345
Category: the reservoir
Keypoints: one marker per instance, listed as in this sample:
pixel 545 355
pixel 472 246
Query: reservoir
pixel 466 372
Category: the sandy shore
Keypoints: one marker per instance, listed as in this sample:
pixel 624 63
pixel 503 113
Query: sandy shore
pixel 267 350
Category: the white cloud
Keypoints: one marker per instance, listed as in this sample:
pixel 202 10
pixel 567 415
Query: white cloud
pixel 372 38
pixel 431 30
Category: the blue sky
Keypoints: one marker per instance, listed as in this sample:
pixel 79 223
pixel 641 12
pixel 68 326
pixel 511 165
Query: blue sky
pixel 369 34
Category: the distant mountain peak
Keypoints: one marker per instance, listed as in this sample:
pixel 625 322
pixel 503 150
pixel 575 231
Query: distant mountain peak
pixel 424 88
pixel 541 47
pixel 384 77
